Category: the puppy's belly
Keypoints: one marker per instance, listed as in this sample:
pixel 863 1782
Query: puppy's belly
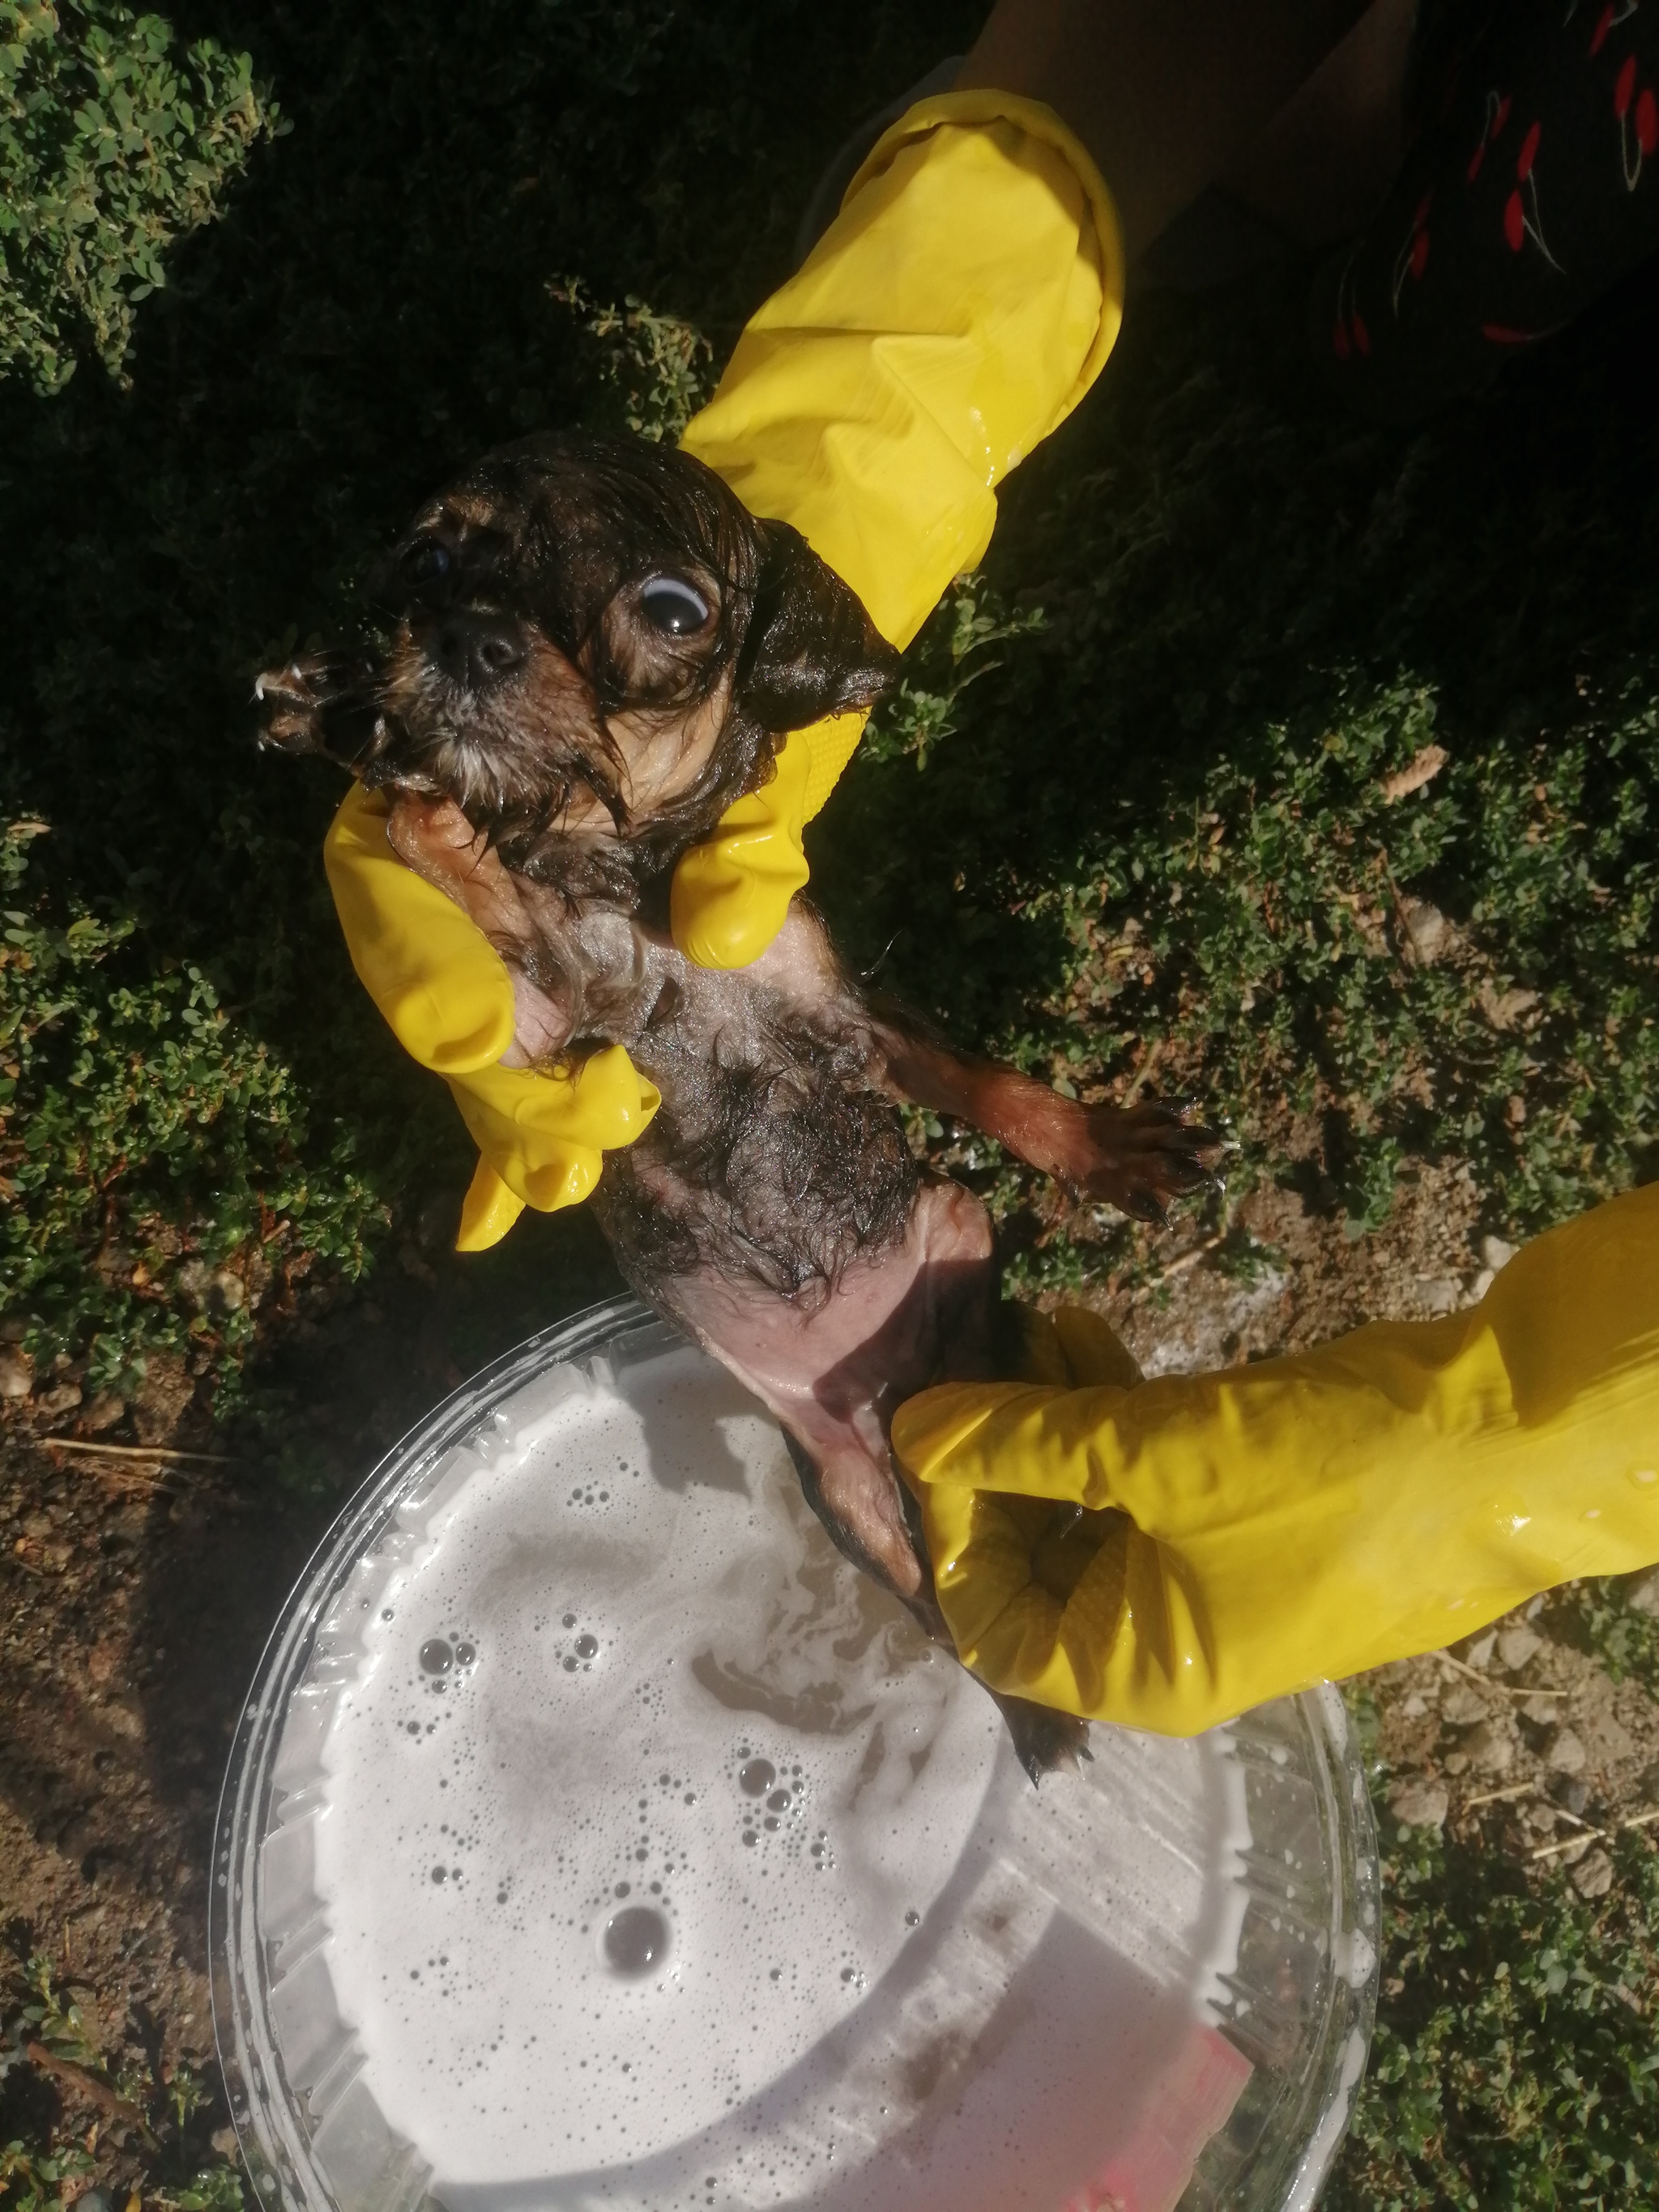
pixel 921 1311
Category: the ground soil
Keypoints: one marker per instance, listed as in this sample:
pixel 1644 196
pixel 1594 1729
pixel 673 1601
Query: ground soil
pixel 137 1592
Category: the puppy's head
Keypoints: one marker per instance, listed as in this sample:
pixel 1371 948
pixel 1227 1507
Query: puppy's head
pixel 594 649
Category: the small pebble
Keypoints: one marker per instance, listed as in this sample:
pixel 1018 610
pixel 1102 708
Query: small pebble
pixel 1571 1795
pixel 1479 1654
pixel 1516 1646
pixel 1566 1754
pixel 1593 1875
pixel 1419 1803
pixel 1462 1704
pixel 1491 1746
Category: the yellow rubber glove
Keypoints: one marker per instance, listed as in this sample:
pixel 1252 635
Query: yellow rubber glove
pixel 952 315
pixel 448 996
pixel 1245 1534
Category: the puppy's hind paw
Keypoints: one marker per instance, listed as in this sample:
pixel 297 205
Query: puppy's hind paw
pixel 1142 1156
pixel 1044 1739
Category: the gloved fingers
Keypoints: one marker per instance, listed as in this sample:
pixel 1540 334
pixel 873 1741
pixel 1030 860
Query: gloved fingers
pixel 980 1548
pixel 435 977
pixel 488 1211
pixel 1071 1346
pixel 730 896
pixel 1031 1439
pixel 831 744
pixel 544 1136
pixel 547 1172
pixel 1034 1614
pixel 1094 1351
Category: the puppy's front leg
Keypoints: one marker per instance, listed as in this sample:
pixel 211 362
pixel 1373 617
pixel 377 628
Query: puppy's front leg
pixel 434 838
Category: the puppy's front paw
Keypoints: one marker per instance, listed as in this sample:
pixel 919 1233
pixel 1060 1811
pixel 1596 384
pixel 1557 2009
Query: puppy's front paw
pixel 319 704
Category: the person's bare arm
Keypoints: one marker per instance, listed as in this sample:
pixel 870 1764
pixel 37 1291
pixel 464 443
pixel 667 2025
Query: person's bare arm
pixel 1164 94
pixel 1324 164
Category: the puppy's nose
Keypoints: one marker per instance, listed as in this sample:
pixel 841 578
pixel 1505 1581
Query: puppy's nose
pixel 475 649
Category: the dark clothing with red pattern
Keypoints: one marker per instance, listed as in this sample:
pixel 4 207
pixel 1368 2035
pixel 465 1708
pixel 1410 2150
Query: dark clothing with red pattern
pixel 1532 185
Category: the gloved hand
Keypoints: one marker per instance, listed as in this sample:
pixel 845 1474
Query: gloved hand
pixel 1248 1533
pixel 446 993
pixel 953 314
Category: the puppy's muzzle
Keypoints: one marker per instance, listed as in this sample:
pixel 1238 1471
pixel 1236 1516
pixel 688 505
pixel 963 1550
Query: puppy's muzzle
pixel 473 648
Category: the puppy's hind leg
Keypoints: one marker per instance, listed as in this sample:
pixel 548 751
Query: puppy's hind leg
pixel 1136 1158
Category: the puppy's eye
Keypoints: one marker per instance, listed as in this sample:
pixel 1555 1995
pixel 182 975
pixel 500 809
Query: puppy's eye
pixel 426 565
pixel 673 606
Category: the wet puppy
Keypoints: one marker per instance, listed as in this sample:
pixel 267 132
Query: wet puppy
pixel 594 650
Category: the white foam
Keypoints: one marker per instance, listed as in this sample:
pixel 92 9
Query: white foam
pixel 897 1967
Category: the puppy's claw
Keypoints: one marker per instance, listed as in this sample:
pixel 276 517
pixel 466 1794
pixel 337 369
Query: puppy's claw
pixel 322 704
pixel 1142 1204
pixel 1044 1739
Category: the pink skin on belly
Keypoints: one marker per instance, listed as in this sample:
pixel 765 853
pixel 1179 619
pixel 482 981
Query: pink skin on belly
pixel 833 1368
pixel 916 1315
pixel 833 1372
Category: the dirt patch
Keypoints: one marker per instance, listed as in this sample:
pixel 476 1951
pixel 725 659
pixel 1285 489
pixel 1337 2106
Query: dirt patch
pixel 137 1595
pixel 1518 1737
pixel 1287 1275
pixel 143 1561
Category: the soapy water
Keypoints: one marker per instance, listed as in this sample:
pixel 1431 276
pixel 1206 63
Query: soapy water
pixel 664 1861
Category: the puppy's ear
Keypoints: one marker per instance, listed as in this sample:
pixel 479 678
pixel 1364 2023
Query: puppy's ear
pixel 811 648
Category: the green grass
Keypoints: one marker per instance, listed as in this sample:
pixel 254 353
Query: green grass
pixel 114 141
pixel 1515 2067
pixel 1598 1616
pixel 153 2121
pixel 1161 821
pixel 146 1147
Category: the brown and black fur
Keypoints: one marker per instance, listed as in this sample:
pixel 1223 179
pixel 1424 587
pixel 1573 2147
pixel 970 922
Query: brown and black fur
pixel 552 751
